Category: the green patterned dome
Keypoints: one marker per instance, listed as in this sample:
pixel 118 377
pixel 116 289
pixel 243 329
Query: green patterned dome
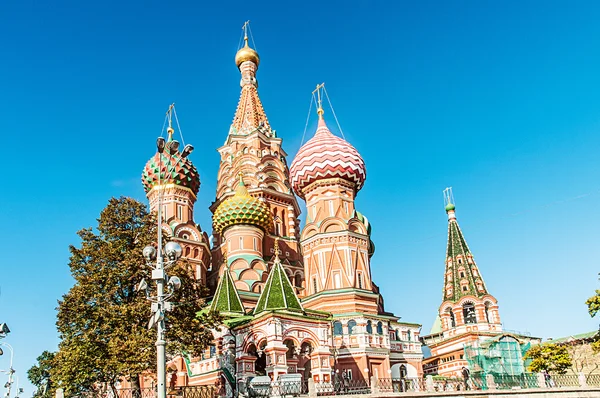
pixel 164 168
pixel 242 208
pixel 450 207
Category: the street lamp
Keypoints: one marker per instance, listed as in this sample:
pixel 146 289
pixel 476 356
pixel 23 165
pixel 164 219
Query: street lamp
pixel 10 370
pixel 161 258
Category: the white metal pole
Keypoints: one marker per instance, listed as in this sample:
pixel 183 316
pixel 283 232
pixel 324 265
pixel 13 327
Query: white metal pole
pixel 10 372
pixel 160 326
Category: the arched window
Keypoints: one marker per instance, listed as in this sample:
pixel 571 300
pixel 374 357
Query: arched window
pixel 379 327
pixel 408 335
pixel 351 326
pixel 469 313
pixel 298 280
pixel 369 327
pixel 487 312
pixel 337 328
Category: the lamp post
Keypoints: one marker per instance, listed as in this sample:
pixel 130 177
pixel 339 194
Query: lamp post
pixel 160 304
pixel 161 258
pixel 10 370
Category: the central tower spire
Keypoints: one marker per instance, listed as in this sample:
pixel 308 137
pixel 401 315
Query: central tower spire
pixel 250 115
pixel 253 157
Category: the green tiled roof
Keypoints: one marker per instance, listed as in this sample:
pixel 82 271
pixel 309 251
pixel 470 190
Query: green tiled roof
pixel 278 293
pixel 457 247
pixel 581 336
pixel 227 299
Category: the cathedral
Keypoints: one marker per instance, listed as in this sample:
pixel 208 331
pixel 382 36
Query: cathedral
pixel 296 299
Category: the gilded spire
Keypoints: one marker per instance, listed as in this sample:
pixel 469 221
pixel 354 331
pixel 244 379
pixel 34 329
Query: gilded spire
pixel 170 129
pixel 246 53
pixel 318 90
pixel 250 115
pixel 276 248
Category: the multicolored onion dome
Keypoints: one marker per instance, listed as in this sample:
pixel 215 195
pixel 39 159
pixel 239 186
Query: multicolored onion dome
pixel 326 156
pixel 242 208
pixel 164 168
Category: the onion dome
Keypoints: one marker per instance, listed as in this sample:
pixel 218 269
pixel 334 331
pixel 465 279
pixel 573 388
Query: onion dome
pixel 246 53
pixel 450 207
pixel 326 156
pixel 242 208
pixel 170 167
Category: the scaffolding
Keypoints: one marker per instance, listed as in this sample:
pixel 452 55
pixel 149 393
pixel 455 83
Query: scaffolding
pixel 500 356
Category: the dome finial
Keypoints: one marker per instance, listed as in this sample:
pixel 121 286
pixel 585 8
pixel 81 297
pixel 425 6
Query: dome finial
pixel 241 189
pixel 170 129
pixel 246 53
pixel 449 203
pixel 318 90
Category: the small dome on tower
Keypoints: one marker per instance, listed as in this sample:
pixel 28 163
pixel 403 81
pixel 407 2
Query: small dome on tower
pixel 326 156
pixel 242 208
pixel 246 53
pixel 170 167
pixel 450 207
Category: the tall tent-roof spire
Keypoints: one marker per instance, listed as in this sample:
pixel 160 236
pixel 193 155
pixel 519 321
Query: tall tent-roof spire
pixel 250 114
pixel 462 277
pixel 278 293
pixel 227 300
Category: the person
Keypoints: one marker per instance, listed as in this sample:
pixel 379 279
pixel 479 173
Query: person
pixel 548 379
pixel 466 373
pixel 346 380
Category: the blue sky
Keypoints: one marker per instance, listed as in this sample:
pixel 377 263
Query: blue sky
pixel 499 100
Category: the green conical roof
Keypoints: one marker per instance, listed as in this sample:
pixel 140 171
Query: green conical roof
pixel 463 268
pixel 227 299
pixel 278 293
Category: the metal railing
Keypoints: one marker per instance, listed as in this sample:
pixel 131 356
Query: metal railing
pixel 277 389
pixel 343 387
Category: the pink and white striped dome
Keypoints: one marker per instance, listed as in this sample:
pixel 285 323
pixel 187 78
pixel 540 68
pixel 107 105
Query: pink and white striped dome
pixel 326 156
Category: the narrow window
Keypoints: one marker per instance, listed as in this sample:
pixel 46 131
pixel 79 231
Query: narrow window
pixel 228 245
pixel 369 327
pixel 241 243
pixel 331 208
pixel 314 285
pixel 255 244
pixel 337 282
pixel 349 373
pixel 346 207
pixel 380 328
pixel 351 326
pixel 278 228
pixel 164 213
pixel 360 280
pixel 179 212
pixel 462 274
pixel 408 335
pixel 337 328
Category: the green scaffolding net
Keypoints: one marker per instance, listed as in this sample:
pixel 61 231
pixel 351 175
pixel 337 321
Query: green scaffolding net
pixel 501 356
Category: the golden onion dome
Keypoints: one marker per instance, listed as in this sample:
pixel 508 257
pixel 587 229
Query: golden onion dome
pixel 242 208
pixel 246 53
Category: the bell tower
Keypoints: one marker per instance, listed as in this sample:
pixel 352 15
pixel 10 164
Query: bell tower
pixel 466 303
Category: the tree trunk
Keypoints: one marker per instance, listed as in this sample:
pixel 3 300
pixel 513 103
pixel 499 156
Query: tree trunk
pixel 136 391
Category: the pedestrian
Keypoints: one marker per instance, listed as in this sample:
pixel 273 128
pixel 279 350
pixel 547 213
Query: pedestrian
pixel 466 373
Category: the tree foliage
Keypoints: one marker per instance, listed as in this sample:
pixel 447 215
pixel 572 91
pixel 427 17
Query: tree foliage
pixel 40 375
pixel 549 357
pixel 102 320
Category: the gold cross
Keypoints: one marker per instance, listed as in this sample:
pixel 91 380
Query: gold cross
pixel 245 28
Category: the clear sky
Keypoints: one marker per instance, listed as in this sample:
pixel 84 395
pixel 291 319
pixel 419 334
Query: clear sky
pixel 499 100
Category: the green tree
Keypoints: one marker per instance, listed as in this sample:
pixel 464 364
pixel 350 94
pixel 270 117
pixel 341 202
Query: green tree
pixel 40 375
pixel 549 357
pixel 102 320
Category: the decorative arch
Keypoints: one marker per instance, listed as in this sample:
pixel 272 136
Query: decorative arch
pixel 332 225
pixel 354 225
pixel 309 230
